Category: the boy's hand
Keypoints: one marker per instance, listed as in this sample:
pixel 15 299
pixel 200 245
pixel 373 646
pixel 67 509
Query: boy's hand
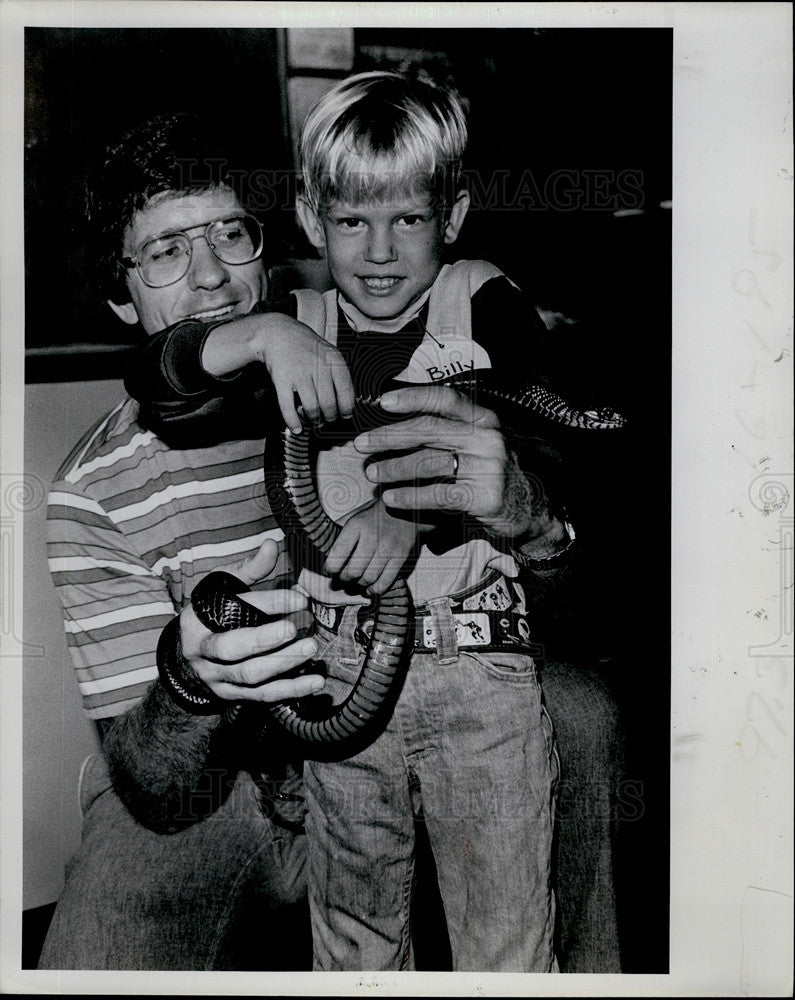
pixel 247 664
pixel 372 548
pixel 301 362
pixel 297 360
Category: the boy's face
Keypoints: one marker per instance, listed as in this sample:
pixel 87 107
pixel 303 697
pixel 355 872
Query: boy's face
pixel 383 255
pixel 211 289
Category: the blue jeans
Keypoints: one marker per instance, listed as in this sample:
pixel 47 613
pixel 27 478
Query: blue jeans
pixel 470 750
pixel 194 900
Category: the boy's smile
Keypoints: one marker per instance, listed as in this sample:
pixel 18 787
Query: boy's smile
pixel 383 255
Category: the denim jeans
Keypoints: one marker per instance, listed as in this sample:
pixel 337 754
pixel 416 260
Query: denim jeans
pixel 204 898
pixel 224 893
pixel 470 750
pixel 589 737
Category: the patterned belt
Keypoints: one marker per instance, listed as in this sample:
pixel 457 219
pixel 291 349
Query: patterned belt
pixel 489 616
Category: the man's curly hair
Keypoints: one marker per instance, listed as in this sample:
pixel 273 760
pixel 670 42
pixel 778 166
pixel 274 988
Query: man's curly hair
pixel 178 153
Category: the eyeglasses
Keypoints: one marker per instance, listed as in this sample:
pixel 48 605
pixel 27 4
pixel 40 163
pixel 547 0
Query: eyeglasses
pixel 166 259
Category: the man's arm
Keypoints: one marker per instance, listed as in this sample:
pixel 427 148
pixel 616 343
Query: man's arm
pixel 568 586
pixel 572 571
pixel 173 767
pixel 549 471
pixel 168 767
pixel 507 325
pixel 488 485
pixel 162 758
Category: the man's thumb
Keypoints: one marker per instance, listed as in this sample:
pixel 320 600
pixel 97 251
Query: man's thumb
pixel 261 564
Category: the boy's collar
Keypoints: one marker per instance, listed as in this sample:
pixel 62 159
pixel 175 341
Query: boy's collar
pixel 361 323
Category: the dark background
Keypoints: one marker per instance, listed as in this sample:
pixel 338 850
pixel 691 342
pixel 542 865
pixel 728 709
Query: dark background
pixel 592 103
pixel 586 110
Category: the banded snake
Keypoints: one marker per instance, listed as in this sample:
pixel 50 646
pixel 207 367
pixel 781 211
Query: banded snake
pixel 291 486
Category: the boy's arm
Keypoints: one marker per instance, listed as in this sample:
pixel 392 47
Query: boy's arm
pixel 507 325
pixel 190 405
pixel 513 335
pixel 198 384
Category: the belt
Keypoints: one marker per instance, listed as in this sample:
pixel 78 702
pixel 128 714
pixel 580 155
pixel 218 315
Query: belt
pixel 490 616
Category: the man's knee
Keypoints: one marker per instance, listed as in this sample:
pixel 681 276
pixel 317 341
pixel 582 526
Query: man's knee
pixel 584 713
pixel 134 896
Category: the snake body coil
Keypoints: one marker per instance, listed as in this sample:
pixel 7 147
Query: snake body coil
pixel 291 486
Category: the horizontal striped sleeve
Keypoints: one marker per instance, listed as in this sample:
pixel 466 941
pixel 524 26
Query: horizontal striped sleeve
pixel 88 564
pixel 119 617
pixel 114 606
pixel 218 551
pixel 105 706
pixel 60 498
pixel 114 683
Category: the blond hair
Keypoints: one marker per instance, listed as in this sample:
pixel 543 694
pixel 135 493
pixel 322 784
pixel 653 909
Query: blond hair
pixel 378 133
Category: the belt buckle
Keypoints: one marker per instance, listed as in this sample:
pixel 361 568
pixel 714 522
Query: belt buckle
pixel 325 615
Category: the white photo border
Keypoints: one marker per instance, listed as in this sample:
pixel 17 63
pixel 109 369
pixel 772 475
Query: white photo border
pixel 732 494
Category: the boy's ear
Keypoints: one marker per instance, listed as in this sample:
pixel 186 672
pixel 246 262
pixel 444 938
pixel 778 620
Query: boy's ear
pixel 456 218
pixel 126 312
pixel 311 224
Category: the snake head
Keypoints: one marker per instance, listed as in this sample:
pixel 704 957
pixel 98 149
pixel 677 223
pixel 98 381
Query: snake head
pixel 604 419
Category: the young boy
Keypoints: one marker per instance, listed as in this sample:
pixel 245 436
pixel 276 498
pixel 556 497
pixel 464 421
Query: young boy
pixel 469 746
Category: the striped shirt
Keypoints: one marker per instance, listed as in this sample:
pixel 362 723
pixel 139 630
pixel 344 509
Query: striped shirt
pixel 132 526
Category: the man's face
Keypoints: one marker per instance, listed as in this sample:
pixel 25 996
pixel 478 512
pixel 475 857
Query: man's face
pixel 383 255
pixel 211 289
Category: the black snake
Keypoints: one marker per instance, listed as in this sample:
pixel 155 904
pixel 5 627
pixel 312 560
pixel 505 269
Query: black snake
pixel 291 486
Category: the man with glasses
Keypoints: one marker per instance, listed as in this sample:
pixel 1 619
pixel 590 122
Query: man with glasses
pixel 133 526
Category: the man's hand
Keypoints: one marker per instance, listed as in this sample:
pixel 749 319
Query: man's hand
pixel 247 664
pixel 297 360
pixel 372 548
pixel 448 435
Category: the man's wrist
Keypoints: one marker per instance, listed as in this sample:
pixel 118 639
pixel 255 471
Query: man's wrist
pixel 524 514
pixel 528 529
pixel 179 680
